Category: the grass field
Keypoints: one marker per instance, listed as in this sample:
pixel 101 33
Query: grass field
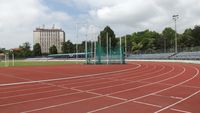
pixel 39 63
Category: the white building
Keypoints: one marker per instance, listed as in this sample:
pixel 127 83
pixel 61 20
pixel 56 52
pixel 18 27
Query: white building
pixel 49 37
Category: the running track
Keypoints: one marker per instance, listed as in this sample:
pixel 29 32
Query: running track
pixel 138 87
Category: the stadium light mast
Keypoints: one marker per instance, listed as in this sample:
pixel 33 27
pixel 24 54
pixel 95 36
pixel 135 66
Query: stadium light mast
pixel 13 57
pixel 121 49
pixel 125 46
pixel 76 43
pixel 107 47
pixel 175 18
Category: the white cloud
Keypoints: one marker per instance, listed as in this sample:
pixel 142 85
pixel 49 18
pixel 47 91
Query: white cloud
pixel 18 19
pixel 144 14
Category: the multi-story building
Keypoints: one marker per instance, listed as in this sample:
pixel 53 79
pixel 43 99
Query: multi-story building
pixel 49 37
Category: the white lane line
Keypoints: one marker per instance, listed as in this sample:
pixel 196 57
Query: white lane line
pixel 144 95
pixel 39 88
pixel 93 84
pixel 186 86
pixel 180 110
pixel 147 104
pixel 149 83
pixel 31 93
pixel 16 87
pixel 53 106
pixel 61 104
pixel 51 85
pixel 179 98
pixel 14 91
pixel 184 98
pixel 100 95
pixel 133 81
pixel 178 102
pixel 137 72
pixel 40 99
pixel 172 97
pixel 67 78
pixel 163 67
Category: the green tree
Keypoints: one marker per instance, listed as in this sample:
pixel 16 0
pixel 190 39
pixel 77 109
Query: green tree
pixel 196 35
pixel 186 39
pixel 37 50
pixel 136 47
pixel 169 36
pixel 2 50
pixel 25 50
pixel 110 33
pixel 145 41
pixel 53 50
pixel 67 47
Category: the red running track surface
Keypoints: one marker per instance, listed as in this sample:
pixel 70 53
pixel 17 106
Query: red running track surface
pixel 137 87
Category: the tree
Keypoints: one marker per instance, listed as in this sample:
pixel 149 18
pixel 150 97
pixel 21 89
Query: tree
pixel 67 47
pixel 110 33
pixel 53 50
pixel 136 47
pixel 25 50
pixel 37 50
pixel 196 35
pixel 169 36
pixel 2 50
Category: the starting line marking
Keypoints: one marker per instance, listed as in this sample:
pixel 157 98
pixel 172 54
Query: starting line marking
pixel 180 110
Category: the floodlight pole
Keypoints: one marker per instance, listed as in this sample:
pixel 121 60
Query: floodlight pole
pixel 110 47
pixel 107 46
pixel 76 43
pixel 95 44
pixel 13 58
pixel 175 17
pixel 125 46
pixel 121 49
pixel 5 61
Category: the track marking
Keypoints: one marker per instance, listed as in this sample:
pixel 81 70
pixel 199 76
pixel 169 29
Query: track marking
pixel 31 93
pixel 184 98
pixel 149 83
pixel 67 78
pixel 172 97
pixel 163 67
pixel 26 89
pixel 180 110
pixel 60 104
pixel 133 101
pixel 152 93
pixel 132 81
pixel 177 102
pixel 147 104
pixel 64 103
pixel 40 99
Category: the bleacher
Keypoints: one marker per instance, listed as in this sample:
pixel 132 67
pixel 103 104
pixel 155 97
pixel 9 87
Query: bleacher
pixel 150 56
pixel 187 56
pixel 177 56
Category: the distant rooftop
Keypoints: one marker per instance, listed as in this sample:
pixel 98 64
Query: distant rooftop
pixel 43 28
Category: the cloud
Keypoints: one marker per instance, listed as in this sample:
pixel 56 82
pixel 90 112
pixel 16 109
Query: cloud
pixel 18 19
pixel 144 14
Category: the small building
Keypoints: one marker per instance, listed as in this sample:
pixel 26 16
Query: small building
pixel 47 37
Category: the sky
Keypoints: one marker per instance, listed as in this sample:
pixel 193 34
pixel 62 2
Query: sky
pixel 18 18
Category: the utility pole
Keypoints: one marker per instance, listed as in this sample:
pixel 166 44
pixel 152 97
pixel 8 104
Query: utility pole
pixel 107 46
pixel 76 43
pixel 175 17
pixel 125 46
